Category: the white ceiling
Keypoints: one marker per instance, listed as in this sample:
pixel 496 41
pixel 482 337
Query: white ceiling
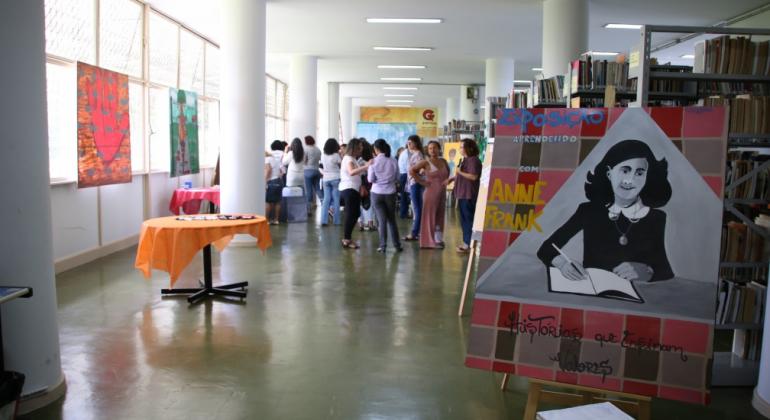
pixel 336 32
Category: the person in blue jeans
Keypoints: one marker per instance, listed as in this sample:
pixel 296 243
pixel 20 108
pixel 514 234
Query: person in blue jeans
pixel 403 168
pixel 416 155
pixel 466 189
pixel 330 161
pixel 312 173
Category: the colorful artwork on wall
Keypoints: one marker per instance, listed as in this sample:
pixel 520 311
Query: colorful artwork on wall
pixel 424 119
pixel 593 270
pixel 104 140
pixel 184 132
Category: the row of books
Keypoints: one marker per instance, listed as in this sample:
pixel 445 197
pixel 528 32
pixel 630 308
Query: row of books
pixel 726 55
pixel 551 89
pixel 596 74
pixel 745 274
pixel 741 244
pixel 518 99
pixel 748 115
pixel 747 344
pixel 741 163
pixel 463 125
pixel 741 303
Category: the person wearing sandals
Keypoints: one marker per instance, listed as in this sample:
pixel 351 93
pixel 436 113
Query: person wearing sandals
pixel 416 155
pixel 274 181
pixel 350 183
pixel 466 189
pixel 366 221
pixel 434 198
pixel 331 161
pixel 383 175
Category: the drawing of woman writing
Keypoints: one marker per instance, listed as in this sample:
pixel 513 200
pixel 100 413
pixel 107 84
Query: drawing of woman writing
pixel 622 224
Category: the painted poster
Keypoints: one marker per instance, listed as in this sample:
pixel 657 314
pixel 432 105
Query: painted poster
pixel 425 119
pixel 453 157
pixel 394 133
pixel 184 132
pixel 104 140
pixel 600 249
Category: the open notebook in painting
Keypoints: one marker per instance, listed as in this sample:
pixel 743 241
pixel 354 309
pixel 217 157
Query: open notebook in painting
pixel 600 283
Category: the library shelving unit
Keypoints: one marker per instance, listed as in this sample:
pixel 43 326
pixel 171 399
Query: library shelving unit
pixel 680 85
pixel 549 93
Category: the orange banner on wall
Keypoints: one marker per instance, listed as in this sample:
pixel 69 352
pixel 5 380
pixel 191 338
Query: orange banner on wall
pixel 426 119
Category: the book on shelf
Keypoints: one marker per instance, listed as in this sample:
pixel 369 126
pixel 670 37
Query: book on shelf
pixel 589 74
pixel 518 99
pixel 748 114
pixel 550 90
pixel 741 303
pixel 739 164
pixel 726 55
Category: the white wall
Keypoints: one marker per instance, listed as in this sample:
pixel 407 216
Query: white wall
pixel 75 214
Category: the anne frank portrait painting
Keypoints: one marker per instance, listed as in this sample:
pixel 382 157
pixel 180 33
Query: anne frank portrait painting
pixel 622 222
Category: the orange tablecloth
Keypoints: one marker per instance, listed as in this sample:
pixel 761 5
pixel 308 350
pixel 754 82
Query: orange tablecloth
pixel 168 244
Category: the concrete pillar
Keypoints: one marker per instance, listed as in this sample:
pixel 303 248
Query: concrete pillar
pixel 355 117
pixel 761 400
pixel 243 107
pixel 469 109
pixel 334 110
pixel 451 110
pixel 565 34
pixel 30 329
pixel 346 114
pixel 302 96
pixel 499 81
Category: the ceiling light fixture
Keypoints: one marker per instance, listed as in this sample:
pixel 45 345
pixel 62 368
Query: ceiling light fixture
pixel 401 79
pixel 399 88
pixel 403 20
pixel 403 48
pixel 523 82
pixel 688 56
pixel 388 66
pixel 537 69
pixel 398 96
pixel 402 101
pixel 600 53
pixel 622 26
pixel 398 106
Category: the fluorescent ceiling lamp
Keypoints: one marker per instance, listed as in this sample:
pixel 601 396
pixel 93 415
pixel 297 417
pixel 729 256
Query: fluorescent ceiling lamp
pixel 522 82
pixel 403 101
pixel 622 26
pixel 537 69
pixel 403 20
pixel 401 79
pixel 387 66
pixel 398 96
pixel 688 56
pixel 600 53
pixel 397 106
pixel 399 88
pixel 403 48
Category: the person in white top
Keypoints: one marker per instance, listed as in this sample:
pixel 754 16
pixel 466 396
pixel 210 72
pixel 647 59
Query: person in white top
pixel 274 181
pixel 312 174
pixel 295 159
pixel 350 183
pixel 331 161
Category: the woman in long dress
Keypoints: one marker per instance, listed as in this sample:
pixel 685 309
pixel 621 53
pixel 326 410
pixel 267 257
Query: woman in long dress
pixel 436 172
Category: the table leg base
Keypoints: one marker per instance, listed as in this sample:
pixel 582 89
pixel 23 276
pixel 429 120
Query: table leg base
pixel 197 294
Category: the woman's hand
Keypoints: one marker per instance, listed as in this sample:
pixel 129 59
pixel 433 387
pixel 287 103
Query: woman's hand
pixel 573 271
pixel 634 271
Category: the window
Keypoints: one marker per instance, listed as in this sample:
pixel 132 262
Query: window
pixel 120 36
pixel 212 71
pixel 191 62
pixel 70 29
pixel 136 124
pixel 160 130
pixel 61 86
pixel 164 44
pixel 275 110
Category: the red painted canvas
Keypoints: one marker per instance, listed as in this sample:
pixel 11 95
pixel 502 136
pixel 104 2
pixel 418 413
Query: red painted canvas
pixel 104 140
pixel 600 249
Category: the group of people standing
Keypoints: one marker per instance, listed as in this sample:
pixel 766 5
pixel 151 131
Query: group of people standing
pixel 365 178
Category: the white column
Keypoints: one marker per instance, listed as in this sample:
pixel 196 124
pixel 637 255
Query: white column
pixel 499 81
pixel 30 329
pixel 243 107
pixel 565 34
pixel 761 400
pixel 468 106
pixel 302 96
pixel 334 110
pixel 346 113
pixel 451 110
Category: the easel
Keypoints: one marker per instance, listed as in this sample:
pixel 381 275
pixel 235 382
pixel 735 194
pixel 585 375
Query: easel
pixel 471 253
pixel 634 405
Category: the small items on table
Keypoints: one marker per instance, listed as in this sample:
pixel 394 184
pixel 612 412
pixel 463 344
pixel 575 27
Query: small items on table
pixel 189 199
pixel 170 243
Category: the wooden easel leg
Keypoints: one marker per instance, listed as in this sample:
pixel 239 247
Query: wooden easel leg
pixel 504 383
pixel 467 277
pixel 532 398
pixel 644 410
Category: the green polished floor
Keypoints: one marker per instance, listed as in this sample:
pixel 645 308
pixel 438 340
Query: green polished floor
pixel 325 333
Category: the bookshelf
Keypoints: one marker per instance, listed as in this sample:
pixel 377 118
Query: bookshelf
pixel 730 75
pixel 549 93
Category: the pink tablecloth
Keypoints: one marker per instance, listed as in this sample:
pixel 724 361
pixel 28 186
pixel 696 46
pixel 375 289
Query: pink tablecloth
pixel 190 199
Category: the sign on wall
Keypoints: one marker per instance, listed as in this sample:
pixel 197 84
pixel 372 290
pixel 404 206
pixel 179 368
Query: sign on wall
pixel 600 249
pixel 104 140
pixel 425 119
pixel 184 132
